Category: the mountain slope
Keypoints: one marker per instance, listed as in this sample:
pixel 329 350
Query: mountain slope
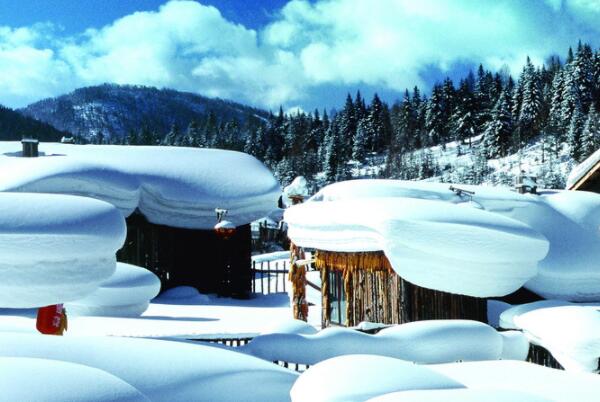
pixel 14 126
pixel 114 110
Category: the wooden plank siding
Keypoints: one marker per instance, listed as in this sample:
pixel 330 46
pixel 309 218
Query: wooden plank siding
pixel 185 257
pixel 374 292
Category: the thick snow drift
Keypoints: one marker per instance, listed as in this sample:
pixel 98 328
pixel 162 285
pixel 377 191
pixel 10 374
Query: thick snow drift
pixel 55 248
pixel 40 380
pixel 435 341
pixel 544 382
pixel 360 377
pixel 459 395
pixel 126 293
pixel 570 332
pixel 378 378
pixel 298 187
pixel 163 370
pixel 173 186
pixel 480 244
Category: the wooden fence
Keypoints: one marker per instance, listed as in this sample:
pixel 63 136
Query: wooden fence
pixel 273 274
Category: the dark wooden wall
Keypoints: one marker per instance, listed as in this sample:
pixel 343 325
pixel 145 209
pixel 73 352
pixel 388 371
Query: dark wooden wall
pixel 187 257
pixel 380 295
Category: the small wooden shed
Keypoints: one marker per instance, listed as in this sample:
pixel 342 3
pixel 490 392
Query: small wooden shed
pixel 363 286
pixel 190 257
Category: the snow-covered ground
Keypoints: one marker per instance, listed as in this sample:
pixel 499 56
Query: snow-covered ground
pixel 184 316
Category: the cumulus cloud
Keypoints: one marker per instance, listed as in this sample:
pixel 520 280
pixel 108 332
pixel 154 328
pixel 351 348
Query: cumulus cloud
pixel 309 46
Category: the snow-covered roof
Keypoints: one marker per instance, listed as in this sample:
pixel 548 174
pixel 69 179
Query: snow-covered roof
pixel 475 240
pixel 55 248
pixel 581 170
pixel 173 186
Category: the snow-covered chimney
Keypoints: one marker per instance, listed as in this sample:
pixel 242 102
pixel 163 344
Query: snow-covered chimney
pixel 30 147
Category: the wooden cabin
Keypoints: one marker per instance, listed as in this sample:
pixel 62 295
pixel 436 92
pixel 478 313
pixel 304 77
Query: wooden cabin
pixel 588 179
pixel 190 257
pixel 363 287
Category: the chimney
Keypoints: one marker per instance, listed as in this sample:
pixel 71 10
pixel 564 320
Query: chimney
pixel 30 147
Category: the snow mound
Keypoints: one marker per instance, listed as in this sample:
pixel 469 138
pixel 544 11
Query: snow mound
pixel 429 243
pixel 459 395
pixel 163 370
pixel 544 382
pixel 55 248
pixel 428 342
pixel 360 216
pixel 507 317
pixel 291 326
pixel 570 220
pixel 173 186
pixel 360 377
pixel 56 381
pixel 126 293
pixel 515 345
pixel 570 332
pixel 299 186
pixel 181 293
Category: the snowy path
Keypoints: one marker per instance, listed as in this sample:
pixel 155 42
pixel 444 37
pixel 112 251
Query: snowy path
pixel 200 317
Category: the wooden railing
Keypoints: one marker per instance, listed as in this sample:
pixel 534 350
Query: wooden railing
pixel 270 273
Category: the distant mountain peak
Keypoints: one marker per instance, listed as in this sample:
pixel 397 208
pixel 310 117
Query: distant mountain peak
pixel 114 110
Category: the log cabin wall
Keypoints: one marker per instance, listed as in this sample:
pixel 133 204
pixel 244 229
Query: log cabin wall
pixel 363 287
pixel 184 257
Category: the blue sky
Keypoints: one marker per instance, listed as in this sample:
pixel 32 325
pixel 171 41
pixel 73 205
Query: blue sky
pixel 295 53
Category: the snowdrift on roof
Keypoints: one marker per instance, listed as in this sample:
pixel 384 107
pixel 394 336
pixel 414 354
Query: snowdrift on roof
pixel 55 248
pixel 457 249
pixel 582 169
pixel 466 239
pixel 127 293
pixel 162 370
pixel 173 186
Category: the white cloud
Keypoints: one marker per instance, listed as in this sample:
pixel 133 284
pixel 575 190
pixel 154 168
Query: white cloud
pixel 309 45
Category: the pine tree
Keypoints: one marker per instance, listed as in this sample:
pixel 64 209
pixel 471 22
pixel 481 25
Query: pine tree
pixel 590 137
pixel 172 136
pixel 360 141
pixel 347 128
pixel 574 135
pixel 331 158
pixel 497 135
pixel 434 117
pixel 531 103
pixel 463 121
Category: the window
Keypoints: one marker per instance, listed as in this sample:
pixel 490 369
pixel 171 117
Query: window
pixel 337 298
